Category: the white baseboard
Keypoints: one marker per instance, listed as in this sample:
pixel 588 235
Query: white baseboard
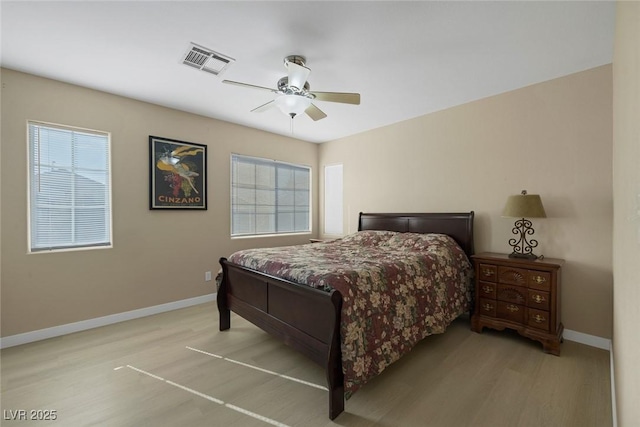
pixel 56 331
pixel 590 340
pixel 614 410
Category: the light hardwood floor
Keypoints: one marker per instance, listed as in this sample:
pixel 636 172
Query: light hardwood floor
pixel 148 372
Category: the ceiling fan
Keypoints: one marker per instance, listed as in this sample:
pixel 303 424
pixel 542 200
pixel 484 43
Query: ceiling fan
pixel 294 94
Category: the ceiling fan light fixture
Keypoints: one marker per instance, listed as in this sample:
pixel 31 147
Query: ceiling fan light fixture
pixel 294 95
pixel 292 105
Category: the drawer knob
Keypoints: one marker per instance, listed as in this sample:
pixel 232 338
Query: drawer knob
pixel 512 308
pixel 539 279
pixel 487 273
pixel 539 319
pixel 487 289
pixel 538 298
pixel 487 307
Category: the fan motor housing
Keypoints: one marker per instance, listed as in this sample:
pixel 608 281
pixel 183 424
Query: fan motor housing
pixel 283 86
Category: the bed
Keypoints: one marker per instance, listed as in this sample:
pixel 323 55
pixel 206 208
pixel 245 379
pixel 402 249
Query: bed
pixel 306 312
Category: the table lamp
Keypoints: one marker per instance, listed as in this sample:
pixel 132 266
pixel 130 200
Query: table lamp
pixel 523 206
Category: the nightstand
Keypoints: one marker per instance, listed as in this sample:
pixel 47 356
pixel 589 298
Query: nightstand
pixel 519 294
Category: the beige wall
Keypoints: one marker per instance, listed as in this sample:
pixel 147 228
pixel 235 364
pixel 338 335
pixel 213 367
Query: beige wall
pixel 626 221
pixel 553 139
pixel 157 256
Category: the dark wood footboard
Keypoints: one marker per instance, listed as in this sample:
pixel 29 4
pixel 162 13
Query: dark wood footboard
pixel 302 317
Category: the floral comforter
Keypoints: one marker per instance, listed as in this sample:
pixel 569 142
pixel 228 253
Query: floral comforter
pixel 397 288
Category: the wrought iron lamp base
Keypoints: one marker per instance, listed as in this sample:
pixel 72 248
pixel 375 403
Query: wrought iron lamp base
pixel 523 248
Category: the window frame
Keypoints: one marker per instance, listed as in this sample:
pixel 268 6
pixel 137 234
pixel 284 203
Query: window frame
pixel 275 163
pixel 31 248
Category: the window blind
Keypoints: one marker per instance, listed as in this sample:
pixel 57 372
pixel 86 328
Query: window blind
pixel 269 197
pixel 70 195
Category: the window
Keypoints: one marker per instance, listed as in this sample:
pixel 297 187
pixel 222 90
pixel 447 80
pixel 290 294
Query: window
pixel 69 188
pixel 269 197
pixel 333 200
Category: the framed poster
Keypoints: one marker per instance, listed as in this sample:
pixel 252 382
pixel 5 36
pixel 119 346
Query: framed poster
pixel 178 174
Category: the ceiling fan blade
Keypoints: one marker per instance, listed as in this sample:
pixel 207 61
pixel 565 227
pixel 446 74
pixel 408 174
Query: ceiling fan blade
pixel 264 107
pixel 297 75
pixel 315 113
pixel 342 97
pixel 231 82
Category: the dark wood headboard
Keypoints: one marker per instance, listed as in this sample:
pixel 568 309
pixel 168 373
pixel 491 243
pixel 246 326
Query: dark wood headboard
pixel 457 225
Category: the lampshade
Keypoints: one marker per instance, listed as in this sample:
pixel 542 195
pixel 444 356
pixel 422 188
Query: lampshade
pixel 524 206
pixel 292 105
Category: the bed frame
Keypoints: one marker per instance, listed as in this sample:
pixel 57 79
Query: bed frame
pixel 308 319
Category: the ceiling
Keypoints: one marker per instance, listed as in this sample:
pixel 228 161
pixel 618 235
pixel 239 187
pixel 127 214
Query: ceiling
pixel 406 59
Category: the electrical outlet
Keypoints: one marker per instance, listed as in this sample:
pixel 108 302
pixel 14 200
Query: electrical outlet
pixel 207 276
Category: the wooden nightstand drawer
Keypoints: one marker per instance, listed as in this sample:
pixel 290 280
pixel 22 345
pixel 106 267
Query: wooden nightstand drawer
pixel 488 273
pixel 487 290
pixel 510 311
pixel 487 307
pixel 539 319
pixel 539 280
pixel 511 293
pixel 538 299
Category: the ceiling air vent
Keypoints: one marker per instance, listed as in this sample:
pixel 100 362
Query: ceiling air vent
pixel 206 59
